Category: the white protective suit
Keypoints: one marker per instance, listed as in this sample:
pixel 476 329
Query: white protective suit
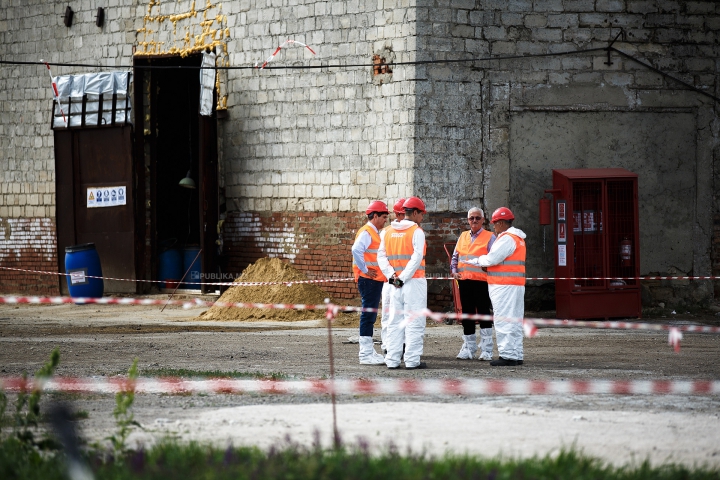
pixel 411 297
pixel 508 300
pixel 385 300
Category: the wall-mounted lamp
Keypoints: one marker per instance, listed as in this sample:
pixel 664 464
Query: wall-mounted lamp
pixel 187 182
pixel 67 19
pixel 100 17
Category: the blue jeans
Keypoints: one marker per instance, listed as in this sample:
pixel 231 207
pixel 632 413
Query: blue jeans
pixel 370 293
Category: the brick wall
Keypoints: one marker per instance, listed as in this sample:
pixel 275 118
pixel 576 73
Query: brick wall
pixel 318 244
pixel 28 243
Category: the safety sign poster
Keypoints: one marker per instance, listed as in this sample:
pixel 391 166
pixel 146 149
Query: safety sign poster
pixel 106 196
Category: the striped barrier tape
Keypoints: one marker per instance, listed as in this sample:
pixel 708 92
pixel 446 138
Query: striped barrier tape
pixel 461 387
pixel 529 324
pixel 194 282
pixel 277 50
pixel 352 279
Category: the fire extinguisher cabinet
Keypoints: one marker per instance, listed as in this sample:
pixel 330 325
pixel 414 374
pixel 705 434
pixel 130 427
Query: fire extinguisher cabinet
pixel 597 243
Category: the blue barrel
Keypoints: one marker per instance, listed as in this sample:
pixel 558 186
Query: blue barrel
pixel 82 261
pixel 193 273
pixel 170 267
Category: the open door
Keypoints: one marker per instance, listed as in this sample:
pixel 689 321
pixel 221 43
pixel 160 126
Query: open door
pixel 178 143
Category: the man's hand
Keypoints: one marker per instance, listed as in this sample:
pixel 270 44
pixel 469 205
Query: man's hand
pixel 457 276
pixel 371 273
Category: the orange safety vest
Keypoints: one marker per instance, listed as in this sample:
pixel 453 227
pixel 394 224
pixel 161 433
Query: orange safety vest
pixel 370 255
pixel 399 249
pixel 468 251
pixel 510 271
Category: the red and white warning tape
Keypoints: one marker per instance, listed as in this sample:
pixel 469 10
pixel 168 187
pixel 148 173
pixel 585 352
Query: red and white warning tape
pixel 277 50
pixel 463 387
pixel 529 324
pixel 352 279
pixel 193 282
pixel 56 93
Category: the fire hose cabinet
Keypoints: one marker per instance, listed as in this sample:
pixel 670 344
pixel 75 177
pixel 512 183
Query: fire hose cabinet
pixel 597 243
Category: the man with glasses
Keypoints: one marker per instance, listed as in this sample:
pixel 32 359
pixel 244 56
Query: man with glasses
pixel 472 282
pixel 506 284
pixel 369 278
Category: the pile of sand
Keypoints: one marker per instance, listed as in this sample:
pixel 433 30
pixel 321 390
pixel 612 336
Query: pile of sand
pixel 274 270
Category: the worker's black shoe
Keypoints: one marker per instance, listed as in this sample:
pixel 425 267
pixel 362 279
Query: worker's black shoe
pixel 419 366
pixel 520 362
pixel 503 362
pixel 393 368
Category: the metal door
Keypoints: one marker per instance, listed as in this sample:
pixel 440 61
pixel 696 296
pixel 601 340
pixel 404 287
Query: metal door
pixel 93 159
pixel 209 213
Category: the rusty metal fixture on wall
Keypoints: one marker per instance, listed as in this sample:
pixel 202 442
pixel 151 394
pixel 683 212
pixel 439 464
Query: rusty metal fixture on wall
pixel 100 17
pixel 67 18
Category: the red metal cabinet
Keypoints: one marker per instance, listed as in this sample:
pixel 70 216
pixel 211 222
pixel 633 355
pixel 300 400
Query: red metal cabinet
pixel 597 241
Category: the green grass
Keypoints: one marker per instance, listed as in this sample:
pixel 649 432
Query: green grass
pixel 186 373
pixel 290 461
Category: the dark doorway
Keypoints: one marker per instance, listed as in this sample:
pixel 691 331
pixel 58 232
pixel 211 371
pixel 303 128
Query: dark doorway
pixel 177 143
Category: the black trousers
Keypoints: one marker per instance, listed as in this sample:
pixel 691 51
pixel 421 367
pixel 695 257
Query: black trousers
pixel 475 298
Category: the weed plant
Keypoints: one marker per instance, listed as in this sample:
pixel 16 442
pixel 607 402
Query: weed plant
pixel 124 416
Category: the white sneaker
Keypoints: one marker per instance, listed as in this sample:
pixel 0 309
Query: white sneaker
pixel 464 353
pixel 485 356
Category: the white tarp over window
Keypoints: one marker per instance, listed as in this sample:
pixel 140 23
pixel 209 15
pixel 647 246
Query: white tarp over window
pixel 111 85
pixel 207 83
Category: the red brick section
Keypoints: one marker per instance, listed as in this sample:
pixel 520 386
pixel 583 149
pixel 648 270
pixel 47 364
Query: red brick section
pixel 318 244
pixel 28 243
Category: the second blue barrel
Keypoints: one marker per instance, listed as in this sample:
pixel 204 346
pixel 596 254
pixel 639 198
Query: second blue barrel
pixel 193 275
pixel 170 267
pixel 81 263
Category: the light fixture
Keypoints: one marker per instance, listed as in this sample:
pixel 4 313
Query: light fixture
pixel 100 17
pixel 187 182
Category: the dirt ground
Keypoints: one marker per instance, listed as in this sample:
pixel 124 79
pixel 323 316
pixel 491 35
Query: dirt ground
pixel 99 340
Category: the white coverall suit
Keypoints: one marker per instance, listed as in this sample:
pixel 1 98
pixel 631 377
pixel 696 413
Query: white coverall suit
pixel 508 300
pixel 411 297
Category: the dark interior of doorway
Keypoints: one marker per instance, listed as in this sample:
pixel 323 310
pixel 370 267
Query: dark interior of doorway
pixel 176 113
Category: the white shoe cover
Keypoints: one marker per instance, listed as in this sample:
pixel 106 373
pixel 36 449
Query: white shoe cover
pixel 471 342
pixel 464 353
pixel 486 344
pixel 368 355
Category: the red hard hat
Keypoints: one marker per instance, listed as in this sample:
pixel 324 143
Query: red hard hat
pixel 398 207
pixel 376 206
pixel 415 202
pixel 502 213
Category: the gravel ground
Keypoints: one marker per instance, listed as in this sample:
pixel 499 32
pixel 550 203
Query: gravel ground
pixel 97 340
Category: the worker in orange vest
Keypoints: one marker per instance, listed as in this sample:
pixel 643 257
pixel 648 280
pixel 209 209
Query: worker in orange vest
pixel 399 212
pixel 472 282
pixel 506 284
pixel 369 278
pixel 401 257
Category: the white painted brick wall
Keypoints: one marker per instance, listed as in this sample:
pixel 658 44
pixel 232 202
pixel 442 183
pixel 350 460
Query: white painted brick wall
pixel 332 139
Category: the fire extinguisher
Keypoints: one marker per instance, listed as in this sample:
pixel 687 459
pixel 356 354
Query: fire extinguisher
pixel 626 252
